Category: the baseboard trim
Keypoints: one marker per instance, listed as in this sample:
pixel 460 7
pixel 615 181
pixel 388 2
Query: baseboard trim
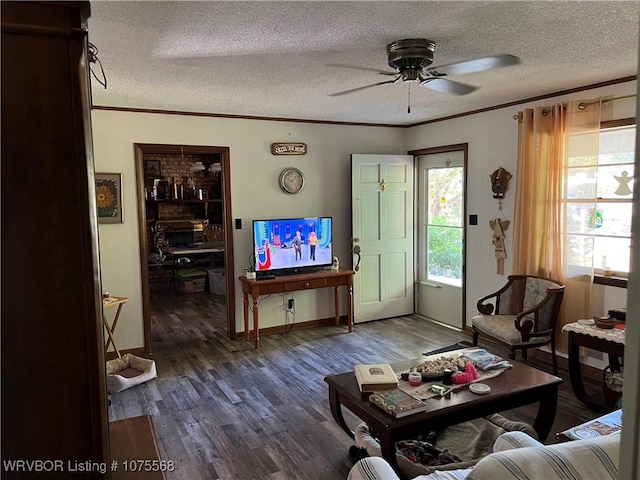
pixel 140 351
pixel 323 322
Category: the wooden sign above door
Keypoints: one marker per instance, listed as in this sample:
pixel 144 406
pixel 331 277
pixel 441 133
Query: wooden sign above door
pixel 288 148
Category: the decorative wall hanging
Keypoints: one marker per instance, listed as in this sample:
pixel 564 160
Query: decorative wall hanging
pixel 499 185
pixel 153 169
pixel 500 182
pixel 109 197
pixel 499 227
pixel 288 149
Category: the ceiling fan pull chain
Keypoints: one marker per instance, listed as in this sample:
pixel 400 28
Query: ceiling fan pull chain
pixel 409 100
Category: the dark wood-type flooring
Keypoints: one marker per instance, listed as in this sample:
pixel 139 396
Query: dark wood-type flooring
pixel 224 410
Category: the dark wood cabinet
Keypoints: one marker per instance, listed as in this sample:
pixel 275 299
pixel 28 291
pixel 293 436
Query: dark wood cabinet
pixel 54 399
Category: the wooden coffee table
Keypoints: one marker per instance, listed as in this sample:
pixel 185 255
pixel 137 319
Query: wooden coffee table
pixel 517 386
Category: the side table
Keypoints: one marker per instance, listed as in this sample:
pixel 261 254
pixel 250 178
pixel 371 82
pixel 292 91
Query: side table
pixel 108 303
pixel 609 341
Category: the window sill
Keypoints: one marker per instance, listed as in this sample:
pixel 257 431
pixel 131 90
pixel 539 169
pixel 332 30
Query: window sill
pixel 620 282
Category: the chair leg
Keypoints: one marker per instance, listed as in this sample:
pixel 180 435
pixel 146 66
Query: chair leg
pixel 554 359
pixel 512 354
pixel 475 338
pixel 524 353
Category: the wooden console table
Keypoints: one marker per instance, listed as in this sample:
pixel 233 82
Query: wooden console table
pixel 609 341
pixel 293 283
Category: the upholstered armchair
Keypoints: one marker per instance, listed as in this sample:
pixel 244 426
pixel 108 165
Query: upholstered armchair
pixel 521 315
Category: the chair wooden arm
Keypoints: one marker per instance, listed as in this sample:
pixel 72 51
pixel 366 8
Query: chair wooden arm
pixel 528 327
pixel 487 309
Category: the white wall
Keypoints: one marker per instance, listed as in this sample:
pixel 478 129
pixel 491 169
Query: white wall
pixel 254 191
pixel 492 137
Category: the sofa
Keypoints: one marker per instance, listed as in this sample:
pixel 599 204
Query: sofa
pixel 517 455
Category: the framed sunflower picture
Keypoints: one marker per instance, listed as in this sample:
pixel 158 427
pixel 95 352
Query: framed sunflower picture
pixel 109 197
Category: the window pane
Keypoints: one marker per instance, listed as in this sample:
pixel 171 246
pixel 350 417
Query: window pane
pixel 615 181
pixel 581 182
pixel 616 251
pixel 582 218
pixel 444 252
pixel 582 148
pixel 579 250
pixel 615 219
pixel 617 145
pixel 445 192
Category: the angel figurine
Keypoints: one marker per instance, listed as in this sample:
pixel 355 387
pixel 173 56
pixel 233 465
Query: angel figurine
pixel 499 227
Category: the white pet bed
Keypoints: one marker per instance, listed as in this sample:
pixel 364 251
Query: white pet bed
pixel 129 371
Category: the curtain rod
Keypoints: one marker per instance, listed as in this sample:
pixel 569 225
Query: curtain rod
pixel 583 105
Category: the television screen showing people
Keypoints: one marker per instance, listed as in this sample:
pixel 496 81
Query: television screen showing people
pixel 294 244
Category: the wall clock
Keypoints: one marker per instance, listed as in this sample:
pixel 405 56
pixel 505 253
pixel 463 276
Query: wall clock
pixel 291 180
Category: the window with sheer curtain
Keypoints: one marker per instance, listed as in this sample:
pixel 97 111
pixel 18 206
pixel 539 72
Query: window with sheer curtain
pixel 597 194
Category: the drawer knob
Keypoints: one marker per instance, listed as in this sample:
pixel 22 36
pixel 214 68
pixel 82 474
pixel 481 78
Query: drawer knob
pixel 306 284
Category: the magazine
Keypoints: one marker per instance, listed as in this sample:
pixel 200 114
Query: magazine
pixel 397 402
pixel 609 423
pixel 484 360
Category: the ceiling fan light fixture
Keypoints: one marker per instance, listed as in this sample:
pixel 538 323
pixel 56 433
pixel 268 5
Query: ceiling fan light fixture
pixel 410 74
pixel 411 58
pixel 412 53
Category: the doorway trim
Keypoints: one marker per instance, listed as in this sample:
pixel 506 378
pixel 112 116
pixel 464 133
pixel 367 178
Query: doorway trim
pixel 142 149
pixel 464 148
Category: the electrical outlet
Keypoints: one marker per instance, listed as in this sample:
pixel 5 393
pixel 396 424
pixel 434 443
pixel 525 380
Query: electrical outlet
pixel 290 304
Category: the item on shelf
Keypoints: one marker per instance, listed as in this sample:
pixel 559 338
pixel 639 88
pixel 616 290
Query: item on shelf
pixel 375 377
pixel 605 322
pixel 397 403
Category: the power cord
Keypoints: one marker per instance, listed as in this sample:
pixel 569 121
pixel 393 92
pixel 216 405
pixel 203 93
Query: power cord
pixel 93 58
pixel 288 305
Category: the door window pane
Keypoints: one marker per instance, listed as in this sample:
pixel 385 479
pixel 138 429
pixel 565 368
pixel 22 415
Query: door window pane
pixel 444 247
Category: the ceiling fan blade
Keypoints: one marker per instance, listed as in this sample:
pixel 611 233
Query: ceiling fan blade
pixel 362 88
pixel 447 86
pixel 356 67
pixel 474 65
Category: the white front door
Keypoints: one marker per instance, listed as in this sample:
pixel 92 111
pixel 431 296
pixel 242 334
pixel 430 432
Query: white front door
pixel 441 236
pixel 382 235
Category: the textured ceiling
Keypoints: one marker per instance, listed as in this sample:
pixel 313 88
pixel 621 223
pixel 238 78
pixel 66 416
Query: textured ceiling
pixel 269 59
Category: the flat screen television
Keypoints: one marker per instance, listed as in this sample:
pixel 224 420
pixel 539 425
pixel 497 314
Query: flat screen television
pixel 284 246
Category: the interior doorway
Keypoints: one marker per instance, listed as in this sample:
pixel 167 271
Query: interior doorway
pixel 441 235
pixel 184 212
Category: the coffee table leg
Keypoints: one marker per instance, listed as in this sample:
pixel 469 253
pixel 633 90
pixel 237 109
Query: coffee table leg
pixel 546 413
pixel 387 448
pixel 336 411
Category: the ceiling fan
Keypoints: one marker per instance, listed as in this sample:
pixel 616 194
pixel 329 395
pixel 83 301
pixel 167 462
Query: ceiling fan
pixel 411 59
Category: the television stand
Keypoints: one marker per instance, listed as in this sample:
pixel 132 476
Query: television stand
pixel 294 283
